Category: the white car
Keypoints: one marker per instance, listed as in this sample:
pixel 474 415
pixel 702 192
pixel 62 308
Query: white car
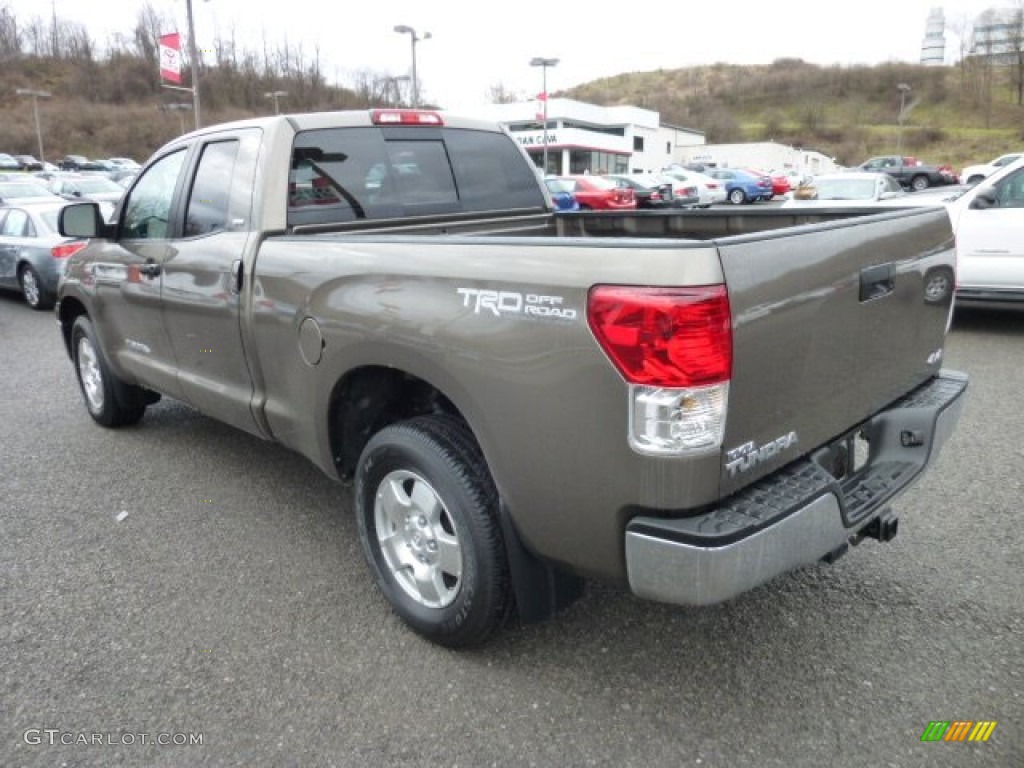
pixel 709 190
pixel 851 188
pixel 972 174
pixel 988 220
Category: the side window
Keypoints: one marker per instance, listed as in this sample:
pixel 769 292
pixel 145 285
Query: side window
pixel 14 224
pixel 148 207
pixel 208 201
pixel 1009 191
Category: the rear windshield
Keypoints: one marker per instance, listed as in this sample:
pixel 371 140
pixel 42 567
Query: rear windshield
pixel 344 174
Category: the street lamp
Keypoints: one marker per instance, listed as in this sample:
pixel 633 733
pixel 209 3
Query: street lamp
pixel 904 90
pixel 543 63
pixel 275 95
pixel 36 96
pixel 194 55
pixel 402 29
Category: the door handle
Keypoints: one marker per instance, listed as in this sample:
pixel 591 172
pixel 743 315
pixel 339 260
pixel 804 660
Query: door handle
pixel 150 269
pixel 876 282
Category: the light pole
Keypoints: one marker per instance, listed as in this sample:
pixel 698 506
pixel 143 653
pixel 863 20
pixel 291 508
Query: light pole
pixel 275 95
pixel 194 55
pixel 904 90
pixel 403 29
pixel 543 63
pixel 36 96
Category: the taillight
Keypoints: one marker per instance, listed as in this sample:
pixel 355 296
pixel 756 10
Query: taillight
pixel 667 337
pixel 674 348
pixel 64 250
pixel 405 117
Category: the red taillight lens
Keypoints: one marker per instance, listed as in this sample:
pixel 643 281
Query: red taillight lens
pixel 665 337
pixel 66 249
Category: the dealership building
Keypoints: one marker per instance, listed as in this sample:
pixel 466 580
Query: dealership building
pixel 587 138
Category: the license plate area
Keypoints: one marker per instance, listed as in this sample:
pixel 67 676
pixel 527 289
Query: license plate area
pixel 846 457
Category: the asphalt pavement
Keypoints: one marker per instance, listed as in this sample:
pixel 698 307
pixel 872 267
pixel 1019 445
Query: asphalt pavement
pixel 182 582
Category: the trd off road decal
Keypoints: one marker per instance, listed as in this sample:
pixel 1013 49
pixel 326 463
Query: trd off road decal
pixel 514 303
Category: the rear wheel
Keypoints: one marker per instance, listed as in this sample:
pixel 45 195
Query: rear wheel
pixel 737 197
pixel 109 401
pixel 36 296
pixel 918 183
pixel 427 508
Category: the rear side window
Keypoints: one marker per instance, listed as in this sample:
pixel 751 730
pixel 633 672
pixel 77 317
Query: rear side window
pixel 16 224
pixel 208 202
pixel 346 174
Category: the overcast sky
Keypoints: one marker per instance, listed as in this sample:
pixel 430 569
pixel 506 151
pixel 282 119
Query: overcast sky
pixel 476 45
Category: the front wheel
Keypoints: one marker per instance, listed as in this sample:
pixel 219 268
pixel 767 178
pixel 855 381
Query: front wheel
pixel 737 197
pixel 427 511
pixel 109 401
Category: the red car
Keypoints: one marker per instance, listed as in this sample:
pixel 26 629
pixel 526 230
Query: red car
pixel 780 182
pixel 599 193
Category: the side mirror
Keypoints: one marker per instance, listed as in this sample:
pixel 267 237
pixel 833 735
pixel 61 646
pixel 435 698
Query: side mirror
pixel 985 198
pixel 81 220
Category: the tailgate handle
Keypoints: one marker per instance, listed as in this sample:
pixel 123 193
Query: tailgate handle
pixel 876 282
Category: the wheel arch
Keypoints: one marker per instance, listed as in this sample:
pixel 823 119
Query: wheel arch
pixel 371 397
pixel 68 310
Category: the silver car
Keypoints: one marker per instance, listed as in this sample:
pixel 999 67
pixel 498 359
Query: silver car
pixel 33 254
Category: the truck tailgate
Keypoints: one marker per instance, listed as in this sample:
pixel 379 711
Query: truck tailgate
pixel 829 327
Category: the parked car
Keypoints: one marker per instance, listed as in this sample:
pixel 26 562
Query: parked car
pixel 742 186
pixel 599 193
pixel 988 222
pixel 780 181
pixel 972 174
pixel 98 188
pixel 561 194
pixel 32 253
pixel 651 191
pixel 23 190
pixel 847 188
pixel 81 163
pixel 709 191
pixel 124 163
pixel 910 172
pixel 8 163
pixel 28 163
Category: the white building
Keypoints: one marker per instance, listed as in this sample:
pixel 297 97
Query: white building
pixel 587 138
pixel 999 33
pixel 933 47
pixel 761 155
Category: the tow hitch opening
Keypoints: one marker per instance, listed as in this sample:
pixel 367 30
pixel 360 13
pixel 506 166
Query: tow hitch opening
pixel 882 528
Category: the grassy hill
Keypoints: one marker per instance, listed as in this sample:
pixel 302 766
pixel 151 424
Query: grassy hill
pixel 960 115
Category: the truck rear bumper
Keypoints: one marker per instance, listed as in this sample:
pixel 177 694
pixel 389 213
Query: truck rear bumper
pixel 797 516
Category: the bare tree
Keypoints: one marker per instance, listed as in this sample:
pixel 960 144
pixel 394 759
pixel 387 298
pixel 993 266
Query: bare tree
pixel 500 94
pixel 10 39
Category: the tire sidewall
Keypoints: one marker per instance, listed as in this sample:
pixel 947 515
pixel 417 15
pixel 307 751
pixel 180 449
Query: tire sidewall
pixel 737 197
pixel 82 328
pixel 397 448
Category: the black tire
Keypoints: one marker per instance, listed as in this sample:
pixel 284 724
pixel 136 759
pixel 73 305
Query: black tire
pixel 109 400
pixel 36 296
pixel 918 183
pixel 436 552
pixel 737 197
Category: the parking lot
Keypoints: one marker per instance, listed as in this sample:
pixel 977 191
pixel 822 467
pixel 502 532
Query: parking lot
pixel 181 581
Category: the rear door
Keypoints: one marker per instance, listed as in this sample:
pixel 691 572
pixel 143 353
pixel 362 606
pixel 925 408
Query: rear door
pixel 830 325
pixel 201 293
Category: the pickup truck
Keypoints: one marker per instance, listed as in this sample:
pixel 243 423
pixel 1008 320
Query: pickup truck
pixel 988 221
pixel 684 403
pixel 910 172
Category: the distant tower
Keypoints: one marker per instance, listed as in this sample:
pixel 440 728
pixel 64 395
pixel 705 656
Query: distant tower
pixel 933 47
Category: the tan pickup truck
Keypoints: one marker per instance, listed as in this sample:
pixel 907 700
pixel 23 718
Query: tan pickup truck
pixel 686 403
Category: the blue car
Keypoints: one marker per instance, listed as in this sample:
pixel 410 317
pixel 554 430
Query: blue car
pixel 561 195
pixel 742 186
